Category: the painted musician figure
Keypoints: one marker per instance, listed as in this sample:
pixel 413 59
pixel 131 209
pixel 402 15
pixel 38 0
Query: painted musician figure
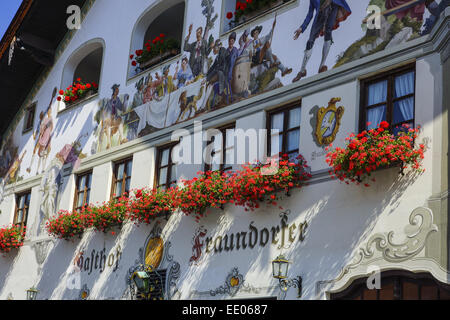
pixel 328 15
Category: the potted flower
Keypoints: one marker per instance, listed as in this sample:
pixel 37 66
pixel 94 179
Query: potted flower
pixel 11 238
pixel 77 91
pixel 156 51
pixel 67 224
pixel 149 204
pixel 374 149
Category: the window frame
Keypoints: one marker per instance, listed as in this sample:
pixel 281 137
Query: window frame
pixel 390 76
pixel 116 166
pixel 28 123
pixel 158 167
pixel 78 191
pixel 26 209
pixel 285 110
pixel 223 129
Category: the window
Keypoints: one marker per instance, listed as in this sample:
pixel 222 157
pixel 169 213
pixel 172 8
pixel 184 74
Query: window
pixel 167 19
pixel 166 172
pixel 83 67
pixel 82 190
pixel 29 118
pixel 287 139
pixel 243 11
pixel 90 67
pixel 22 208
pixel 223 148
pixel 121 178
pixel 388 97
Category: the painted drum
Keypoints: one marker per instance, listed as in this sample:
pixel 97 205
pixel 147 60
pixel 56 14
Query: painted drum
pixel 241 75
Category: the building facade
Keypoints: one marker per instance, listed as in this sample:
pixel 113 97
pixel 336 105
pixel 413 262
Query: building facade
pixel 231 67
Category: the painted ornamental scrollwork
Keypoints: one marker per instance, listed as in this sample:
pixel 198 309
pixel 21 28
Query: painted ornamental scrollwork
pixel 418 230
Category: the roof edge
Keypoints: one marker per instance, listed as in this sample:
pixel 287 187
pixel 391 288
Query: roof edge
pixel 14 25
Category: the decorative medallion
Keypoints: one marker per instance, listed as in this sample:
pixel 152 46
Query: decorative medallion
pixel 328 122
pixel 84 293
pixel 233 283
pixel 154 252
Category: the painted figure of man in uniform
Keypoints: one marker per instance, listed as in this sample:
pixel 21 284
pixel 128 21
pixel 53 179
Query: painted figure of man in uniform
pixel 198 51
pixel 328 15
pixel 218 72
pixel 43 136
pixel 262 50
pixel 233 54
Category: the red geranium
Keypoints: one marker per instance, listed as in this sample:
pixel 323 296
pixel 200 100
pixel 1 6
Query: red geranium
pixel 373 149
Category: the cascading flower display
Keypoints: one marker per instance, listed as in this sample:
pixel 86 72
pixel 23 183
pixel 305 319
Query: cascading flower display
pixel 150 203
pixel 250 187
pixel 11 238
pixel 109 215
pixel 211 189
pixel 76 91
pixel 374 149
pixel 67 224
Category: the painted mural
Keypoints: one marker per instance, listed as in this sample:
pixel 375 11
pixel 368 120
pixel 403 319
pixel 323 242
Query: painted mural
pixel 111 128
pixel 214 70
pixel 52 180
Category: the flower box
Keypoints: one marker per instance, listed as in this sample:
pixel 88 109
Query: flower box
pixel 78 91
pixel 109 215
pixel 158 59
pixel 247 10
pixel 67 225
pixel 372 150
pixel 155 52
pixel 147 205
pixel 11 238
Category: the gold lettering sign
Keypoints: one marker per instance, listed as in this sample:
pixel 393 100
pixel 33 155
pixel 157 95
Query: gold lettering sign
pixel 328 122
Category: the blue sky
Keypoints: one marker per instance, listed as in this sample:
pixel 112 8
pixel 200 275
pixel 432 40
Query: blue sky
pixel 8 9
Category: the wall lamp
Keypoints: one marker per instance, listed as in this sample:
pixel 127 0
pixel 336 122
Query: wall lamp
pixel 280 268
pixel 32 293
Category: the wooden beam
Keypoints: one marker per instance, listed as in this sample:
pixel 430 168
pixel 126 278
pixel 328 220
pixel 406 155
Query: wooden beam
pixel 14 26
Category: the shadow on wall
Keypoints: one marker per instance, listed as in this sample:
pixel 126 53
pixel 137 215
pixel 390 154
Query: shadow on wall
pixel 7 267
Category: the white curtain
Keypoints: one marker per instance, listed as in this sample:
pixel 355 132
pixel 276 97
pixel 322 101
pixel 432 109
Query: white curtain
pixel 377 94
pixel 404 85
